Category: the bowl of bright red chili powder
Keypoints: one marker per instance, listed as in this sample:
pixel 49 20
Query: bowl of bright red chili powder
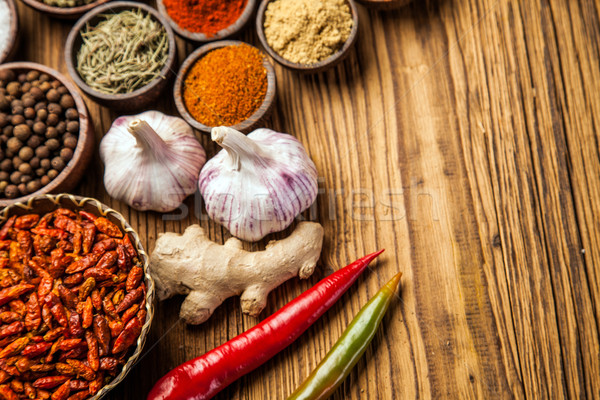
pixel 225 83
pixel 207 20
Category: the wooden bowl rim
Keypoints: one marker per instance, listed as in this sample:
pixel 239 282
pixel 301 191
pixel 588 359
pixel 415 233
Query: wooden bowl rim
pixel 79 202
pixel 196 56
pixel 83 135
pixel 224 33
pixel 122 5
pixel 63 12
pixel 13 31
pixel 325 64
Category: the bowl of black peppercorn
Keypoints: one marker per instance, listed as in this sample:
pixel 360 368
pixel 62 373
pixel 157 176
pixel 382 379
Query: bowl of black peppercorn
pixel 46 136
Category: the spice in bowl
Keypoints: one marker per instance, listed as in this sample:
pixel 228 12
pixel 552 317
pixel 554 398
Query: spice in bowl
pixel 226 86
pixel 205 16
pixel 72 304
pixel 39 125
pixel 66 3
pixel 123 52
pixel 5 19
pixel 307 31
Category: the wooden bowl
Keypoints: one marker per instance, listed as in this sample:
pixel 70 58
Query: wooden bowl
pixel 13 33
pixel 320 66
pixel 76 168
pixel 230 31
pixel 384 4
pixel 47 203
pixel 63 12
pixel 126 102
pixel 245 126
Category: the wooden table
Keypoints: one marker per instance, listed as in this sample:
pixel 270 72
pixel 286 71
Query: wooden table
pixel 462 137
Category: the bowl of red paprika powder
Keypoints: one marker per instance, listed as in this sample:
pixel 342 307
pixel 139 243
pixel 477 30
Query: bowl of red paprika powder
pixel 207 20
pixel 225 83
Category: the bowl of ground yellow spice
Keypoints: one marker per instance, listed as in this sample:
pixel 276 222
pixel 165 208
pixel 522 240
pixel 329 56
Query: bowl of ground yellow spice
pixel 225 83
pixel 307 35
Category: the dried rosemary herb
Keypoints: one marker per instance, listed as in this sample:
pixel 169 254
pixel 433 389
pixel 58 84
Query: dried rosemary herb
pixel 66 3
pixel 122 53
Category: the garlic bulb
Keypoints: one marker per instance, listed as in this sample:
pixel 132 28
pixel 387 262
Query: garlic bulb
pixel 151 161
pixel 258 183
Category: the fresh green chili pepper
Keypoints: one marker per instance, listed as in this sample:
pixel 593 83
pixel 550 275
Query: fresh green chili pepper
pixel 346 352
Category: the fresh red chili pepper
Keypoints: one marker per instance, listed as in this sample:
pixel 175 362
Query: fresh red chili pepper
pixel 205 376
pixel 343 356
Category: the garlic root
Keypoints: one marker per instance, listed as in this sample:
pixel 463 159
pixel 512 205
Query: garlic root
pixel 208 273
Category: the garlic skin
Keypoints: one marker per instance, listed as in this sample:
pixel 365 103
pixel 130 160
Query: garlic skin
pixel 258 183
pixel 151 161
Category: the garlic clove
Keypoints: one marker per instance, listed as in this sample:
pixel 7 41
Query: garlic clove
pixel 151 160
pixel 258 183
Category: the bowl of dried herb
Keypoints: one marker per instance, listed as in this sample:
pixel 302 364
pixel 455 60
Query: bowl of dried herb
pixel 207 20
pixel 308 36
pixel 225 83
pixel 122 55
pixel 64 9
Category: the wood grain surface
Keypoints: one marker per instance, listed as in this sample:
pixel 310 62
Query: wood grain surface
pixel 463 137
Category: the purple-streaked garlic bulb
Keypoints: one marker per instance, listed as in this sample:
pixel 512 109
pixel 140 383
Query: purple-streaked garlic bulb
pixel 151 161
pixel 258 183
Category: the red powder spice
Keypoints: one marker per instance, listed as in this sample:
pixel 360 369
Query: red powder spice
pixel 205 16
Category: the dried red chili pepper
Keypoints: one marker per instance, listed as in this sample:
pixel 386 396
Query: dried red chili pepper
pixel 15 347
pixel 62 392
pixel 73 280
pixel 130 313
pixel 9 316
pixel 83 263
pixel 75 326
pixel 130 299
pixel 14 292
pixel 87 314
pixel 26 221
pixel 134 278
pixel 17 386
pixel 128 337
pixel 107 227
pixel 77 384
pixel 104 245
pixel 79 396
pixel 49 382
pixel 92 355
pixel 6 227
pixel 99 274
pixel 67 297
pixel 81 369
pixel 7 393
pixel 30 391
pixel 102 333
pixel 89 233
pixel 36 349
pixel 54 334
pixel 12 329
pixel 33 317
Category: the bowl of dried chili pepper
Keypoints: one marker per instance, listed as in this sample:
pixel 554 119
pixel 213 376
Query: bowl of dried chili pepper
pixel 207 20
pixel 76 298
pixel 225 83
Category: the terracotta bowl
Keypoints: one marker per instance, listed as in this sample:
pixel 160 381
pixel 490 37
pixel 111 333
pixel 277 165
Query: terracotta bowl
pixel 75 169
pixel 63 12
pixel 384 4
pixel 126 102
pixel 47 203
pixel 230 31
pixel 13 33
pixel 320 66
pixel 245 126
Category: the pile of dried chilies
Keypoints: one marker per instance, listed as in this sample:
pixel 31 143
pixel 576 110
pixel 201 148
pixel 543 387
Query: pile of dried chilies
pixel 72 304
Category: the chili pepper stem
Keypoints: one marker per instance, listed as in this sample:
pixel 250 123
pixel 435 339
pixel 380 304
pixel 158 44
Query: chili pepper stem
pixel 339 361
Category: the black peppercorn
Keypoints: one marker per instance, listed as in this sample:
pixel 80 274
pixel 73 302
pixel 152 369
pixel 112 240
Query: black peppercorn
pixel 15 177
pixel 34 141
pixel 34 162
pixel 43 152
pixel 33 75
pixel 14 88
pixel 34 186
pixel 45 164
pixel 29 113
pixel 28 100
pixel 52 144
pixel 6 165
pixel 36 93
pixel 61 127
pixel 70 142
pixel 11 191
pixel 44 180
pixel 52 120
pixel 73 126
pixel 52 174
pixel 42 114
pixel 14 145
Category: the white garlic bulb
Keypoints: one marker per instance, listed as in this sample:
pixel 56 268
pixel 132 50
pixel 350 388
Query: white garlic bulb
pixel 258 183
pixel 151 161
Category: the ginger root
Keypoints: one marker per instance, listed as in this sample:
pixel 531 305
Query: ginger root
pixel 208 273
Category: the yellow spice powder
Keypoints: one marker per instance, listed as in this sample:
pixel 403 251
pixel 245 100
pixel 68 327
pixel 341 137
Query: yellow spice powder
pixel 307 31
